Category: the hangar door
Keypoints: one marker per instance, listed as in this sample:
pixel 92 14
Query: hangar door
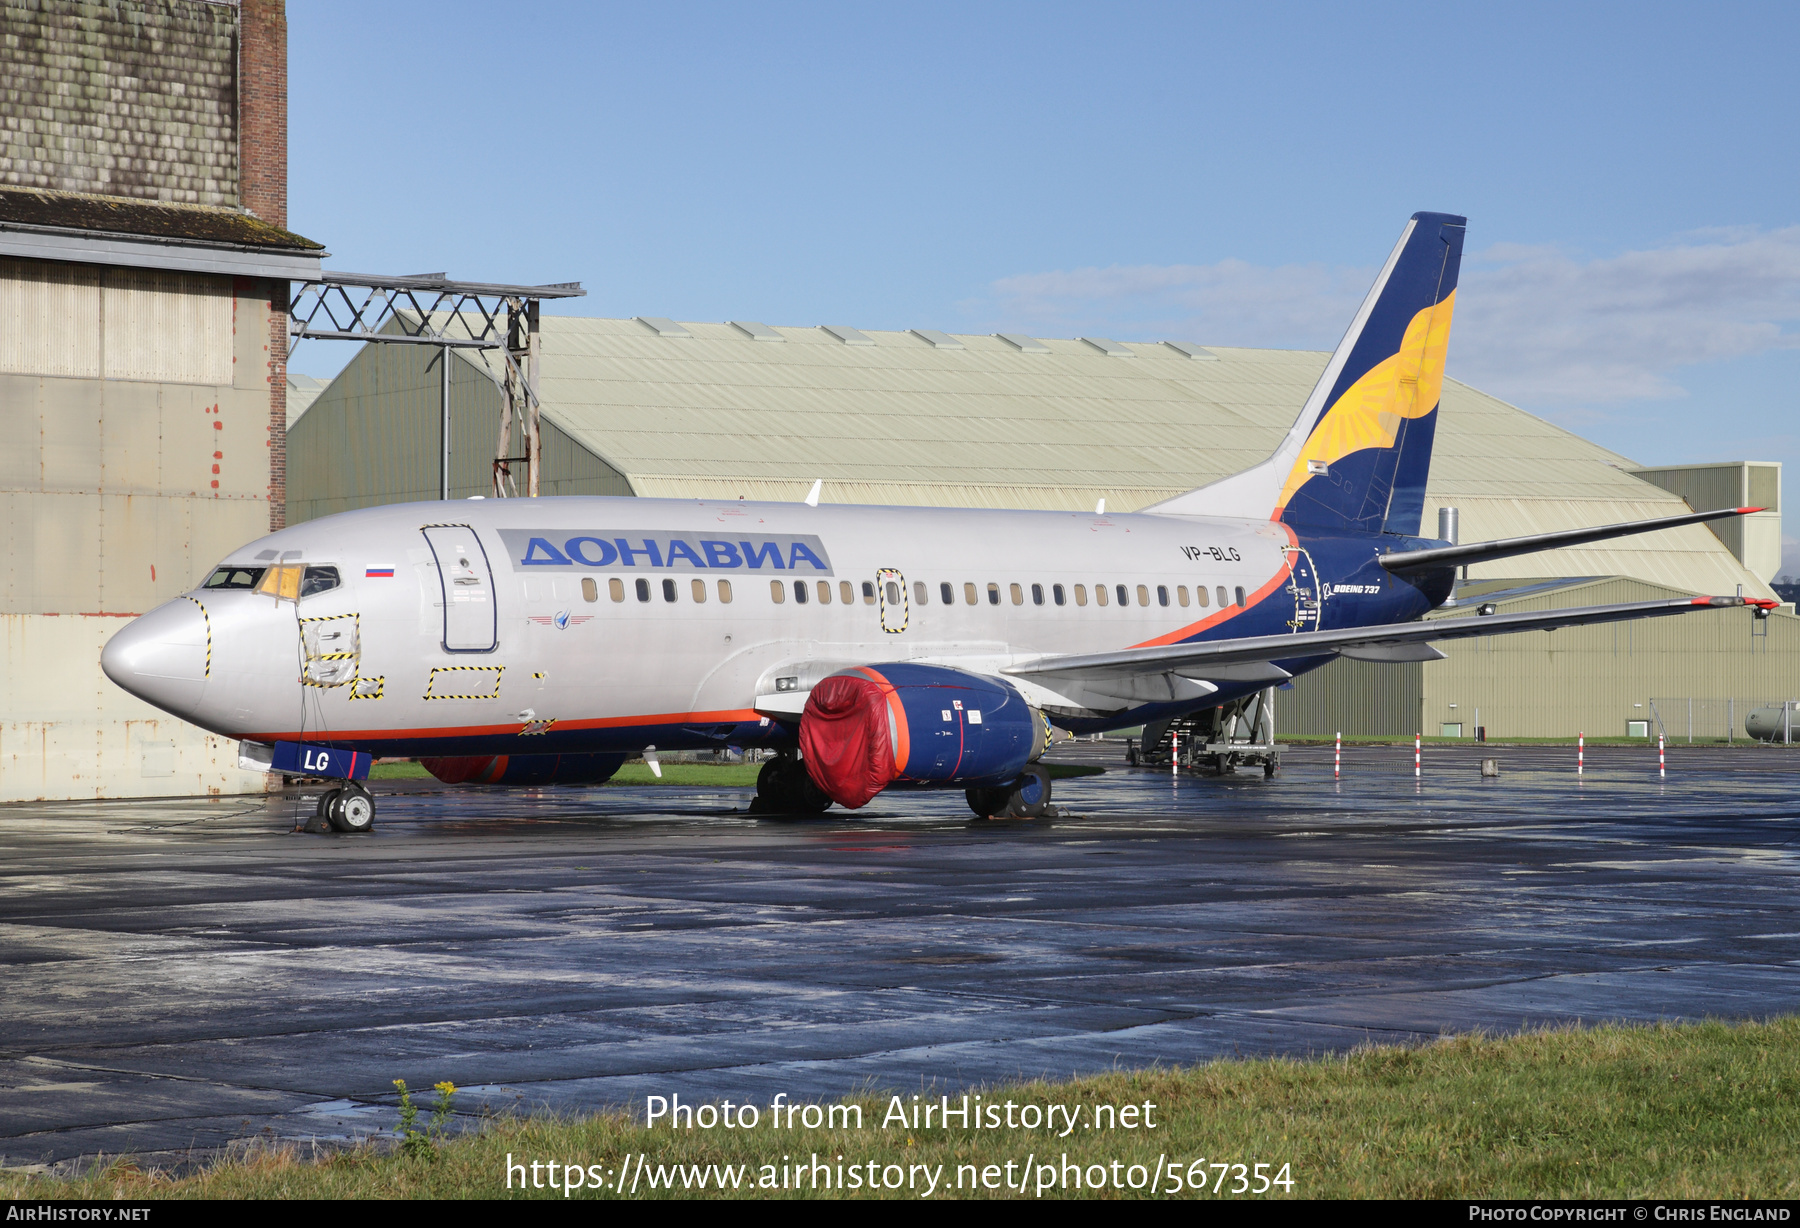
pixel 468 583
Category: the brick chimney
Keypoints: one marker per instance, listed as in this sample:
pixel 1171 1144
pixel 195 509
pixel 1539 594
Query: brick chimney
pixel 262 189
pixel 262 109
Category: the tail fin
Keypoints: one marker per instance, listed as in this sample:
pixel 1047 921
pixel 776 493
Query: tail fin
pixel 1358 455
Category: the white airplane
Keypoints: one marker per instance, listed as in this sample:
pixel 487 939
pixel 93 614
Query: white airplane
pixel 545 640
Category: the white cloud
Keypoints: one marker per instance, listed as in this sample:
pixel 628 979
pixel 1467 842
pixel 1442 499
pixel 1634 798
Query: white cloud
pixel 1534 325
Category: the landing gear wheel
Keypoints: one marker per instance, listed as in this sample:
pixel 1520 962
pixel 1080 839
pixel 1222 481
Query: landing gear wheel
pixel 350 809
pixel 1026 798
pixel 784 787
pixel 987 802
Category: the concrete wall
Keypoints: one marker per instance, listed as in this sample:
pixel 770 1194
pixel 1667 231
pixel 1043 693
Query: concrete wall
pixel 136 414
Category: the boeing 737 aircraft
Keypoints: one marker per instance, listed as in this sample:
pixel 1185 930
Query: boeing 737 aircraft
pixel 534 641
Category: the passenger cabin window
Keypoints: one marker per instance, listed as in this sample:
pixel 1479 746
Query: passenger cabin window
pixel 1018 594
pixel 643 589
pixel 969 593
pixel 1181 594
pixel 319 580
pixel 725 592
pixel 1037 594
pixel 993 593
pixel 1223 599
pixel 893 594
pixel 777 591
pixel 824 592
pixel 1099 594
pixel 1144 595
pixel 800 591
pixel 668 587
pixel 1124 598
pixel 947 593
pixel 1081 594
pixel 868 592
pixel 1200 595
pixel 590 591
pixel 1056 591
pixel 616 587
pixel 699 592
pixel 921 592
pixel 1240 596
pixel 847 592
pixel 1162 594
pixel 234 577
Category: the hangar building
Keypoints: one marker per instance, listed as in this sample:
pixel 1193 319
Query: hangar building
pixel 655 408
pixel 144 274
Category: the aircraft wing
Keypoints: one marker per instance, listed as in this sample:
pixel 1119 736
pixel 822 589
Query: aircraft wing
pixel 1510 547
pixel 1251 659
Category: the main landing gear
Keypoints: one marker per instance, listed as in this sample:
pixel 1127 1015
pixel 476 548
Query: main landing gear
pixel 1028 797
pixel 784 787
pixel 346 807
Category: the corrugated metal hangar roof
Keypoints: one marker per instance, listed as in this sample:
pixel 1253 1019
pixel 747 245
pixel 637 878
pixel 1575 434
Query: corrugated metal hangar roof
pixel 723 410
pixel 903 418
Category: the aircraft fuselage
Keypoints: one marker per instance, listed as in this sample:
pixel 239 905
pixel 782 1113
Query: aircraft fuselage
pixel 567 625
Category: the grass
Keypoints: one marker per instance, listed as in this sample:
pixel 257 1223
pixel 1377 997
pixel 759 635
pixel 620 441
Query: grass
pixel 710 775
pixel 1691 1111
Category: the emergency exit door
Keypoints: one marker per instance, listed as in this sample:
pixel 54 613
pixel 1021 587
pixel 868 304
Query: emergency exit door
pixel 470 622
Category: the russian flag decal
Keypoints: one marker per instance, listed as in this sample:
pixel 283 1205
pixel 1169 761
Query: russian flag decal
pixel 385 573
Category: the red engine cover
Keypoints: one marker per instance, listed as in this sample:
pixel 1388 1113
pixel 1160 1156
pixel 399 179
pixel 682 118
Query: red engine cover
pixel 847 737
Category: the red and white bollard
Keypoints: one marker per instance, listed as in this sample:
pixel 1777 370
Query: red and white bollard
pixel 1337 757
pixel 1662 762
pixel 1174 754
pixel 1580 752
pixel 1418 741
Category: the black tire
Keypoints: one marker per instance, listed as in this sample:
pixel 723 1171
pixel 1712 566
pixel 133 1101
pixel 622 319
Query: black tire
pixel 352 810
pixel 807 797
pixel 1029 798
pixel 987 802
pixel 1270 768
pixel 783 786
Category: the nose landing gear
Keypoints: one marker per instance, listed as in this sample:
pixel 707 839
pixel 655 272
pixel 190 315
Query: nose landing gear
pixel 348 808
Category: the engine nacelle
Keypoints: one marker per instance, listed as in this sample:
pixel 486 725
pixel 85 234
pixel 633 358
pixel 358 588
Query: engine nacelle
pixel 524 769
pixel 865 728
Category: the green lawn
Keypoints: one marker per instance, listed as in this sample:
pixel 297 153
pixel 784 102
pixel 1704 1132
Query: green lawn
pixel 1696 1111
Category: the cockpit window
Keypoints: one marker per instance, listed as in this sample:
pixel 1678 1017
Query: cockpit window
pixel 318 580
pixel 234 577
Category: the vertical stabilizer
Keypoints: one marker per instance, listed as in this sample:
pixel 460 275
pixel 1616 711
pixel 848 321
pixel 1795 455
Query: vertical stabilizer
pixel 1358 455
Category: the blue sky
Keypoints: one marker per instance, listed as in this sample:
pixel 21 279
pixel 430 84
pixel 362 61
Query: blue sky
pixel 1224 174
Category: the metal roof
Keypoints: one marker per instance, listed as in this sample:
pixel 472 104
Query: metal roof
pixel 905 419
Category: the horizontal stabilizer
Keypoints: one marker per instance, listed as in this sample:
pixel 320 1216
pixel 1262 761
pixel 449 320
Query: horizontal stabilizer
pixel 1508 547
pixel 1214 659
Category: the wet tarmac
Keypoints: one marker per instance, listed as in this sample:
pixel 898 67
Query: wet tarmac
pixel 180 975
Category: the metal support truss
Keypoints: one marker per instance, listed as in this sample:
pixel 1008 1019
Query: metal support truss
pixel 429 309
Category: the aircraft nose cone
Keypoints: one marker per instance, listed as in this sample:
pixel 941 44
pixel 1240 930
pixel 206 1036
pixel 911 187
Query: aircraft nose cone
pixel 162 657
